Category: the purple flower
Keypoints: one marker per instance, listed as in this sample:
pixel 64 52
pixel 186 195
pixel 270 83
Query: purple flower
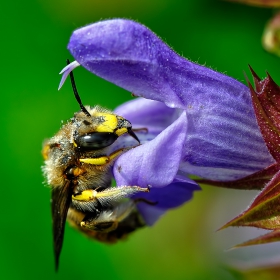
pixel 198 121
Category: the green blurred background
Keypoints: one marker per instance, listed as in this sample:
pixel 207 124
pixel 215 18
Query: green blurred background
pixel 184 244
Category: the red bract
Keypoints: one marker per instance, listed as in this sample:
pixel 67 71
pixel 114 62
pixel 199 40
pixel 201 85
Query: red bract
pixel 266 101
pixel 264 212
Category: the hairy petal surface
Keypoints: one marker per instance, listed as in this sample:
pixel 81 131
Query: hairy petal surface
pixel 131 56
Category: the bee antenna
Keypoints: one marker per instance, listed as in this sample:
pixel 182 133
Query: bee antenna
pixel 76 92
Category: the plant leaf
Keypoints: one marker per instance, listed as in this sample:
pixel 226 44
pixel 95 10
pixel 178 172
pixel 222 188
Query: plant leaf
pixel 264 212
pixel 266 102
pixel 272 236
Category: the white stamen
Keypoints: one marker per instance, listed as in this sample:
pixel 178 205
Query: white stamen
pixel 66 71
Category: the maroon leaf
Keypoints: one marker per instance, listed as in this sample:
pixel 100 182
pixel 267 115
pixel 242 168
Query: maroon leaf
pixel 272 236
pixel 266 102
pixel 264 212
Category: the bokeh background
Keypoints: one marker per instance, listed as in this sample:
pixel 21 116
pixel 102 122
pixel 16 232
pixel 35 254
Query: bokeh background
pixel 184 244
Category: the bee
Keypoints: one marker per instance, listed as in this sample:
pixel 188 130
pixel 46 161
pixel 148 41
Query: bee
pixel 78 168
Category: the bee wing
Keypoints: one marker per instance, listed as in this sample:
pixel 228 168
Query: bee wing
pixel 61 200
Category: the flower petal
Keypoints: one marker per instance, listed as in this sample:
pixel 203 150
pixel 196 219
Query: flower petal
pixel 143 113
pixel 224 142
pixel 131 56
pixel 173 195
pixel 223 148
pixel 155 163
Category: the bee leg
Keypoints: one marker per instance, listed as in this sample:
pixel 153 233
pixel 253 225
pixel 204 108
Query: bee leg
pixel 104 159
pixel 152 203
pixel 92 223
pixel 109 195
pixel 91 199
pixel 109 219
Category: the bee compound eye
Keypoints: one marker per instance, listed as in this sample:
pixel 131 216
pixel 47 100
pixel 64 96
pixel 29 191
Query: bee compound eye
pixel 95 140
